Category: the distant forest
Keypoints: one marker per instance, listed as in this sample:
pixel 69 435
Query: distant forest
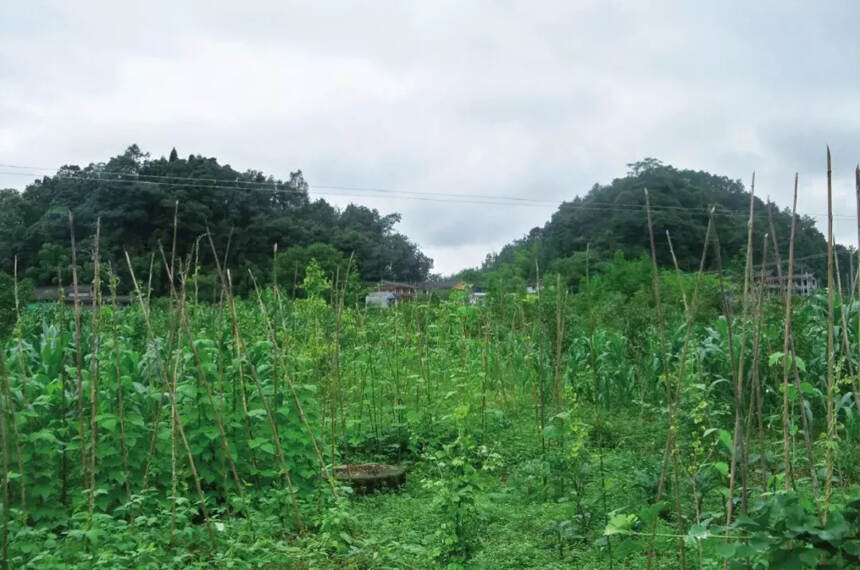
pixel 135 198
pixel 610 219
pixel 246 213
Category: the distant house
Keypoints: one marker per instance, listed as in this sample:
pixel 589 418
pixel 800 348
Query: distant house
pixel 402 291
pixel 803 284
pixel 380 299
pixel 51 294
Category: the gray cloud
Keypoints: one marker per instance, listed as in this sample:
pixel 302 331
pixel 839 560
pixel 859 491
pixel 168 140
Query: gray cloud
pixel 537 100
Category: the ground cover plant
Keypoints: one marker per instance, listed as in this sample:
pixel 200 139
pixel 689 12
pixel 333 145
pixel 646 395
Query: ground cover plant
pixel 650 419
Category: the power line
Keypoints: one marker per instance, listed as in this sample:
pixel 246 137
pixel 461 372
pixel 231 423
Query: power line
pixel 273 190
pixel 267 184
pixel 370 192
pixel 438 197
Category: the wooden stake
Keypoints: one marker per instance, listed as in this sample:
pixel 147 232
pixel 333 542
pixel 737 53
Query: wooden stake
pixel 738 440
pixel 831 383
pixel 787 355
pixel 78 353
pixel 664 351
pixel 94 368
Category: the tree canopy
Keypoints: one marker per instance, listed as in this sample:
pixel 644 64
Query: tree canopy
pixel 611 218
pixel 136 196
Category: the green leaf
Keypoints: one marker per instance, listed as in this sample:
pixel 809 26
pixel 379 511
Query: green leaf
pixel 774 358
pixel 812 557
pixel 726 550
pixel 108 422
pixel 726 438
pixel 697 532
pixel 620 524
pixel 257 413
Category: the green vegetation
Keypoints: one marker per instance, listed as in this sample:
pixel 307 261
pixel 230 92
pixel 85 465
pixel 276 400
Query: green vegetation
pixel 644 418
pixel 135 197
pixel 186 434
pixel 609 219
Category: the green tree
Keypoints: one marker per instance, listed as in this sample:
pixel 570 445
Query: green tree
pixel 315 283
pixel 12 226
pixel 293 262
pixel 136 196
pixel 7 304
pixel 611 218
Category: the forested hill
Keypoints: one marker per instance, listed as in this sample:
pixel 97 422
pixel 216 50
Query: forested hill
pixel 612 219
pixel 135 195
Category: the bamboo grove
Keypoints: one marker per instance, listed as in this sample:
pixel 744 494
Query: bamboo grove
pixel 697 421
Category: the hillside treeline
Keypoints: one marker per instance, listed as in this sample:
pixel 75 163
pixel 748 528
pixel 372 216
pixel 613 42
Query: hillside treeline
pixel 135 197
pixel 610 219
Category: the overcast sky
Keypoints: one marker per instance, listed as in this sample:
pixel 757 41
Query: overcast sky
pixel 528 99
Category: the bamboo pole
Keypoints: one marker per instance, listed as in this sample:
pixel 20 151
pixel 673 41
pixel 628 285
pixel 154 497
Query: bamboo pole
pixel 846 344
pixel 4 450
pixel 61 318
pixel 857 378
pixel 733 368
pixel 94 367
pixel 539 380
pixel 120 393
pixel 276 438
pixel 810 457
pixel 738 436
pixel 176 419
pixel 756 387
pixel 788 357
pixel 78 352
pixel 664 351
pixel 270 330
pixel 831 382
pixel 559 338
pixel 201 374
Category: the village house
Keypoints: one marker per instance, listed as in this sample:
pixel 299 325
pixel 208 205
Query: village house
pixel 803 284
pixel 51 294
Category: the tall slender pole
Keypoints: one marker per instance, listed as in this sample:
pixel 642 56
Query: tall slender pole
pixel 4 450
pixel 857 378
pixel 788 356
pixel 831 386
pixel 664 351
pixel 78 351
pixel 94 368
pixel 738 440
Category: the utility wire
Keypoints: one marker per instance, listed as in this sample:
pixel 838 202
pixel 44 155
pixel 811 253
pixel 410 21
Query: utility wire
pixel 273 190
pixel 273 186
pixel 270 188
pixel 265 184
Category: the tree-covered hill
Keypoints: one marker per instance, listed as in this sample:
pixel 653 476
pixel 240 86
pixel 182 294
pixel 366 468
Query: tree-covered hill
pixel 611 218
pixel 135 197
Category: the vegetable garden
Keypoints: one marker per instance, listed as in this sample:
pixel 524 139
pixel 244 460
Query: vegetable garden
pixel 651 419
